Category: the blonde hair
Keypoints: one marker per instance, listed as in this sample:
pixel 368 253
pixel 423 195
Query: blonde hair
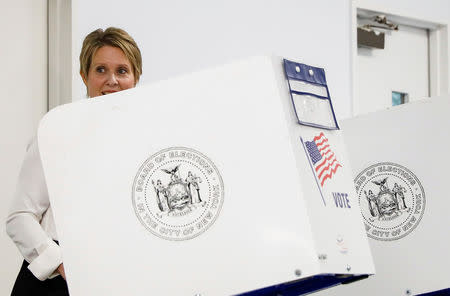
pixel 113 37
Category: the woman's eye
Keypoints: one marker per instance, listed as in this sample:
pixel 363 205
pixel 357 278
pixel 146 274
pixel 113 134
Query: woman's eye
pixel 122 71
pixel 100 69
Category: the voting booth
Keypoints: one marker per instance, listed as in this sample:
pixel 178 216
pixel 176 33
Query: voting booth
pixel 228 181
pixel 400 163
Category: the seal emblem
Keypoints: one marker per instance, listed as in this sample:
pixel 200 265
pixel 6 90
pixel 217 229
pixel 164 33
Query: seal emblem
pixel 391 199
pixel 177 193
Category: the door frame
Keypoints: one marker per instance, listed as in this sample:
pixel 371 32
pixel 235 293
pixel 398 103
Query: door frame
pixel 59 52
pixel 438 45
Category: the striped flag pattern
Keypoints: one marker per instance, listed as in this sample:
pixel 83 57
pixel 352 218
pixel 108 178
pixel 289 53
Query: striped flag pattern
pixel 323 158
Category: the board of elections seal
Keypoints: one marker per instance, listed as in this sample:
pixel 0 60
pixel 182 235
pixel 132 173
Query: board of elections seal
pixel 177 193
pixel 391 199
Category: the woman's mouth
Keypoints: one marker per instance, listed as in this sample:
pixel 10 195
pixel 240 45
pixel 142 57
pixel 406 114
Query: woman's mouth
pixel 106 92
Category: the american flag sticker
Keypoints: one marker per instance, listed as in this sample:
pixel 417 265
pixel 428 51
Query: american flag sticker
pixel 324 162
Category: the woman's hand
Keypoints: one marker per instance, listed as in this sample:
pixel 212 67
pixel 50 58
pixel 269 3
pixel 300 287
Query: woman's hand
pixel 61 270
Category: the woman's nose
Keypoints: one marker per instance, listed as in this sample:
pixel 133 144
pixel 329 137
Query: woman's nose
pixel 112 79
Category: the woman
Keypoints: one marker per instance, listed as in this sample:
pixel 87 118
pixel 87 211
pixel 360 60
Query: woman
pixel 110 61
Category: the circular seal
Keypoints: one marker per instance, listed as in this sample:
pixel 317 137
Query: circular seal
pixel 391 199
pixel 177 193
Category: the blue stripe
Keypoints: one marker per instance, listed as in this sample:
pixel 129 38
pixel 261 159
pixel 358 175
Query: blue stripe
pixel 305 286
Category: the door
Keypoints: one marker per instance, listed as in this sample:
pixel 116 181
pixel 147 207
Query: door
pixel 397 74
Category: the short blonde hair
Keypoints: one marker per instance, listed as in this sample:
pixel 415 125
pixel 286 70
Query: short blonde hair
pixel 113 37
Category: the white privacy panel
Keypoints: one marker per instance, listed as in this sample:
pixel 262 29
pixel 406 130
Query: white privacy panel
pixel 400 166
pixel 199 184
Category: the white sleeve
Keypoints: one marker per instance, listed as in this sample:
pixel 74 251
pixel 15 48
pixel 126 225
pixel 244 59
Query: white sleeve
pixel 23 223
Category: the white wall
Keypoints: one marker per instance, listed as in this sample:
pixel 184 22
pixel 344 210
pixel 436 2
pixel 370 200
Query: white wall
pixel 431 9
pixel 23 84
pixel 180 36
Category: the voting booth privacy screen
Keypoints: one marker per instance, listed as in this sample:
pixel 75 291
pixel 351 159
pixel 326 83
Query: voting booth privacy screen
pixel 400 162
pixel 218 182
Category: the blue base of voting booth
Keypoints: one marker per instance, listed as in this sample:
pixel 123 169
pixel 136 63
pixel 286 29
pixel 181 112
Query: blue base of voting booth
pixel 437 293
pixel 305 286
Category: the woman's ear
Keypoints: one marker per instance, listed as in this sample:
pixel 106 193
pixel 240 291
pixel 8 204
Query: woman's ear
pixel 84 78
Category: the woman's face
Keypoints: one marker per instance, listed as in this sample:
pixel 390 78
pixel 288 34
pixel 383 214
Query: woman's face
pixel 110 71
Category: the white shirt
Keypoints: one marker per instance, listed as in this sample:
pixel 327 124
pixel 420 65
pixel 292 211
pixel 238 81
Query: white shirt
pixel 30 222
